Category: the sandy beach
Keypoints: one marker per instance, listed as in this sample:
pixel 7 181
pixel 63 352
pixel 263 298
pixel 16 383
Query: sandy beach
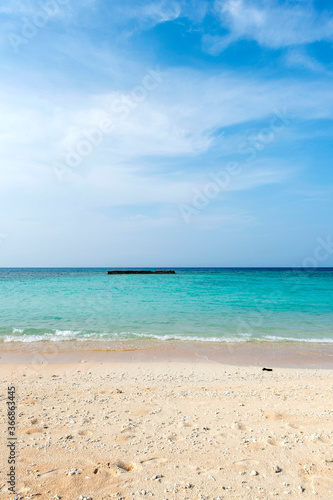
pixel 166 250
pixel 168 430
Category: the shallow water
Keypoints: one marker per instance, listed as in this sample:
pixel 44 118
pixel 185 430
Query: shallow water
pixel 231 305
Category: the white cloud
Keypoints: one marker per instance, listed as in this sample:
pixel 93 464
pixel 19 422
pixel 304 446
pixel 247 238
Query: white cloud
pixel 146 14
pixel 159 12
pixel 178 119
pixel 161 149
pixel 297 57
pixel 181 116
pixel 270 23
pixel 138 168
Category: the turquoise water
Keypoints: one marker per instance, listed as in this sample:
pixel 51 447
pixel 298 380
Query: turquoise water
pixel 194 304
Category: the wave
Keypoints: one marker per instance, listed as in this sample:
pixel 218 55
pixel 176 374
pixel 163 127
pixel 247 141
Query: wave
pixel 26 335
pixel 274 338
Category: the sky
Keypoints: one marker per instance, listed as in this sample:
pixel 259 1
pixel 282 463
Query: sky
pixel 166 134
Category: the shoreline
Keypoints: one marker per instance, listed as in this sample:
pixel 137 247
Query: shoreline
pixel 247 354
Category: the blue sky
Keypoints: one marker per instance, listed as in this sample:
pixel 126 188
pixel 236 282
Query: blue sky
pixel 166 133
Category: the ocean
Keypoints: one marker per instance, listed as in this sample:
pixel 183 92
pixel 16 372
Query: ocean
pixel 211 304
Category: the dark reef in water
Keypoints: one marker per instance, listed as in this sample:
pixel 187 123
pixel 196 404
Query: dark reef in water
pixel 141 272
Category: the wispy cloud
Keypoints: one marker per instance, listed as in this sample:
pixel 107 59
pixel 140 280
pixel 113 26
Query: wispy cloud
pixel 158 12
pixel 297 57
pixel 177 121
pixel 90 64
pixel 270 23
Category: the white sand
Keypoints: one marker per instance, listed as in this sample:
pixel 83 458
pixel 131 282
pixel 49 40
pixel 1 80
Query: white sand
pixel 169 431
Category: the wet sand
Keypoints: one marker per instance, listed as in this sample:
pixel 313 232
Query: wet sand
pixel 288 354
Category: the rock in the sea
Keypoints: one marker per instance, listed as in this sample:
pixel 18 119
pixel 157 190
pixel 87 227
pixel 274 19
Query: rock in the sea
pixel 144 271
